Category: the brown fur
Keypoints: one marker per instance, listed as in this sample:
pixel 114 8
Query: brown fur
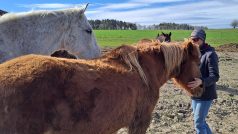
pixel 147 41
pixel 46 95
pixel 63 54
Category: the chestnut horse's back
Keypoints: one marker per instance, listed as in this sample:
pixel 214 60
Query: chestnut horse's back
pixel 40 94
pixel 31 93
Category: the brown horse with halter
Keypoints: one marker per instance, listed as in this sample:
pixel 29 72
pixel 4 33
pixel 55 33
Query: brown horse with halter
pixel 159 38
pixel 63 54
pixel 164 37
pixel 43 94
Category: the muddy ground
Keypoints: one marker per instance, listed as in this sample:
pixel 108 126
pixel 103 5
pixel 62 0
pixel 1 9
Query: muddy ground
pixel 173 113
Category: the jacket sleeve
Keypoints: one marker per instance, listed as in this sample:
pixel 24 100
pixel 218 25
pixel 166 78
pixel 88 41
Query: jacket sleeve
pixel 213 70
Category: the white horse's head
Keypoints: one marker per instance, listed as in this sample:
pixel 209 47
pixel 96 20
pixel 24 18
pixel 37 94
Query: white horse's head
pixel 43 32
pixel 81 40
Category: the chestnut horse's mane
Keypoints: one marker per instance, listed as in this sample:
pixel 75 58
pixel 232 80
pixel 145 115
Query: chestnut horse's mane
pixel 173 55
pixel 172 52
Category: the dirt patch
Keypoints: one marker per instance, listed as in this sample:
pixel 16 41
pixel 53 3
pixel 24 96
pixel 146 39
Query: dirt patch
pixel 231 47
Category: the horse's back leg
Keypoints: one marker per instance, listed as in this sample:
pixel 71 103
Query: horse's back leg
pixel 140 124
pixel 142 116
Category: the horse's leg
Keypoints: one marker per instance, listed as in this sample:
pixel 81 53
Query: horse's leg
pixel 142 115
pixel 140 124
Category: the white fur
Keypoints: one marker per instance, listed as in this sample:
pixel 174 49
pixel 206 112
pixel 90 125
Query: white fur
pixel 43 32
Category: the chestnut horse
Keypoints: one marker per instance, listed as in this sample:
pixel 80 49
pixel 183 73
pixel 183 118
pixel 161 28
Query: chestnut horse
pixel 160 38
pixel 46 95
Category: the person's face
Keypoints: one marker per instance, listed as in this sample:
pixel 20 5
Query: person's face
pixel 197 41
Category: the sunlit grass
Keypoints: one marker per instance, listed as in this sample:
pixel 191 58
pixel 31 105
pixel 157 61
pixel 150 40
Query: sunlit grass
pixel 113 38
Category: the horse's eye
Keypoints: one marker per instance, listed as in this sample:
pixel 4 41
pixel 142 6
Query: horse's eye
pixel 89 31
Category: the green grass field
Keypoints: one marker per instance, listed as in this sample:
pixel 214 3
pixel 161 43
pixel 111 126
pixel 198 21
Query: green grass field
pixel 113 38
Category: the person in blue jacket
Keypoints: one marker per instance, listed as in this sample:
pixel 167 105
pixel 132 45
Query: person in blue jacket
pixel 210 75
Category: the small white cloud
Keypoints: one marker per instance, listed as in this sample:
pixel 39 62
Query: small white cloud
pixel 203 13
pixel 49 6
pixel 156 1
pixel 124 6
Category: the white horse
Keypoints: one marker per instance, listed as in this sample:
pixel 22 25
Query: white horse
pixel 43 32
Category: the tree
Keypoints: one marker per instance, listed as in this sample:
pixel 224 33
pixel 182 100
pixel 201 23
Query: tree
pixel 112 24
pixel 2 12
pixel 234 23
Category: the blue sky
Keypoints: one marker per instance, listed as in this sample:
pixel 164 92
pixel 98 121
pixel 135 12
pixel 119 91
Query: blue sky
pixel 210 13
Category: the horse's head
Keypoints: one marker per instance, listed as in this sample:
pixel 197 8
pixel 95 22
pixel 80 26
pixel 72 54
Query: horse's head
pixel 63 54
pixel 189 68
pixel 164 37
pixel 82 41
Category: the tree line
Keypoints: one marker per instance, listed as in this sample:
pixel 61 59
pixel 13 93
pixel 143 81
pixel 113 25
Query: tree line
pixel 111 24
pixel 2 12
pixel 169 26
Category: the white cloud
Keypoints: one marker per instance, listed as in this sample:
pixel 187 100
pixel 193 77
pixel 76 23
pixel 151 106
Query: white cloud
pixel 212 13
pixel 124 6
pixel 156 1
pixel 49 6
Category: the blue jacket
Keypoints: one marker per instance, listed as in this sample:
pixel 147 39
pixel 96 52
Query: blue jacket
pixel 209 71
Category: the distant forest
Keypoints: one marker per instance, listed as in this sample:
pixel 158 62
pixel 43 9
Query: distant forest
pixel 111 24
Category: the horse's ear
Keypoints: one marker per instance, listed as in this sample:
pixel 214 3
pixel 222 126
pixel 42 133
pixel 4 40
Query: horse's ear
pixel 156 49
pixel 163 33
pixel 158 35
pixel 170 33
pixel 86 6
pixel 193 50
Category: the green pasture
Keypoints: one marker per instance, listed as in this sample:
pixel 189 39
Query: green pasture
pixel 113 38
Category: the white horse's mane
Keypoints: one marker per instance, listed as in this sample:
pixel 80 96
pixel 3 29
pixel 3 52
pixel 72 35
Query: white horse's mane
pixel 42 13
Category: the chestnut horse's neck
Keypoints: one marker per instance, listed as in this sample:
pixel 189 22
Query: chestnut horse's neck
pixel 162 64
pixel 154 70
pixel 155 64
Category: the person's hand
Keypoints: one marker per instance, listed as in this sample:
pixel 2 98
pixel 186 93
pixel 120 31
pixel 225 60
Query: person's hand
pixel 194 84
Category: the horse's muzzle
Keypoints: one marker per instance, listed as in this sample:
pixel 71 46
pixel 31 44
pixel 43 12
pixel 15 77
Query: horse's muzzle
pixel 197 92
